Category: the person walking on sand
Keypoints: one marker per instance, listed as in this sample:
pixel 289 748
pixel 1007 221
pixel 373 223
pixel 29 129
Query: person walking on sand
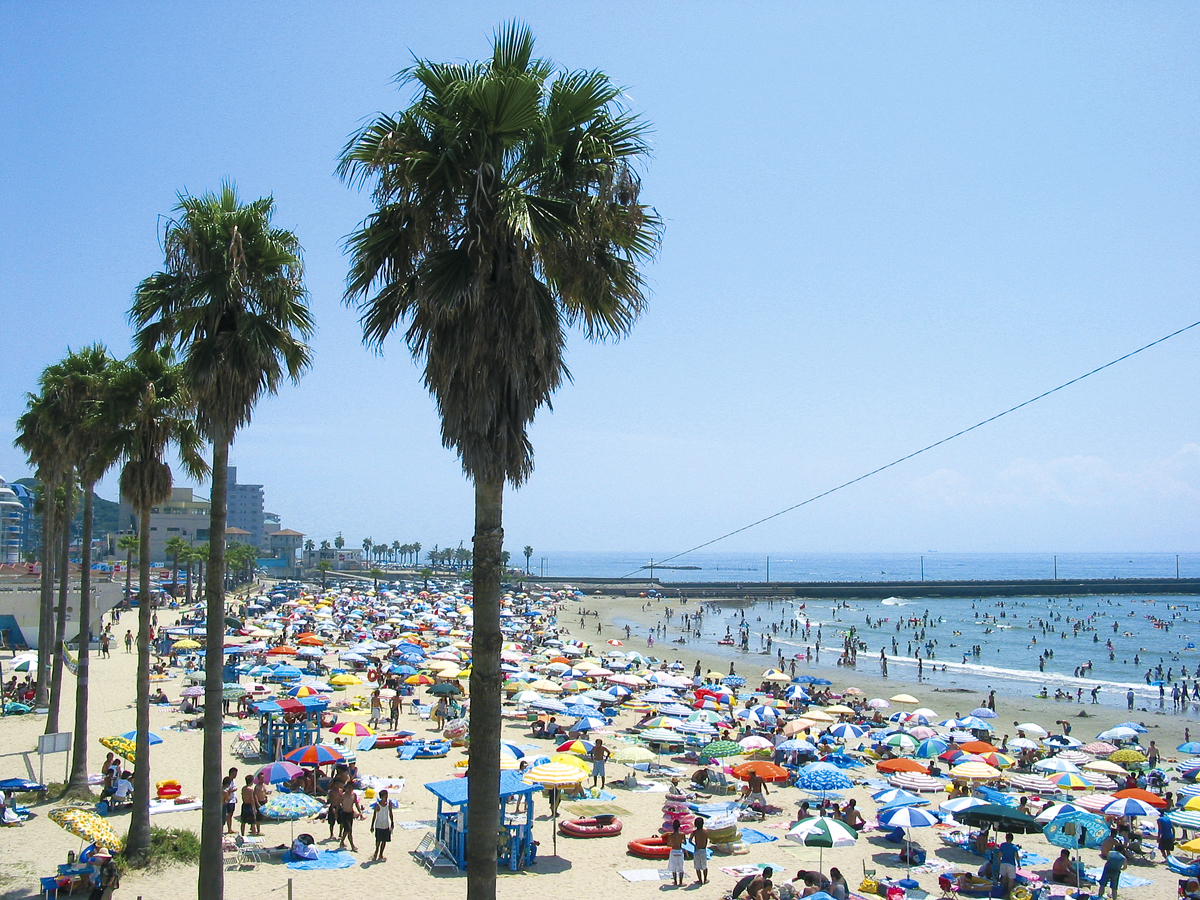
pixel 700 853
pixel 249 807
pixel 348 811
pixel 599 755
pixel 674 840
pixel 381 825
pixel 335 804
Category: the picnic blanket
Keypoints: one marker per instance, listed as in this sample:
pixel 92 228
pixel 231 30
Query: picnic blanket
pixel 751 836
pixel 646 875
pixel 1127 880
pixel 749 869
pixel 326 859
pixel 419 823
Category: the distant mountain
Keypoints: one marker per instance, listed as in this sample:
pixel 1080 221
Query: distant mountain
pixel 104 514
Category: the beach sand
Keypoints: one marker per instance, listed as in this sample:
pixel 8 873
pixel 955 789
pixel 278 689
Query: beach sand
pixel 582 868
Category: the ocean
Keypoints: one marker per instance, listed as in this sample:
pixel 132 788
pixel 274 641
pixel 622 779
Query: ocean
pixel 1011 633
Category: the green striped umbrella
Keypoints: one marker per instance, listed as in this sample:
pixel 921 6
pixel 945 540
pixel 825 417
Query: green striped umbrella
pixel 719 749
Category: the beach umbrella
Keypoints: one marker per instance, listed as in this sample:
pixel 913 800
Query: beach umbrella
pixel 186 644
pixel 795 744
pixel 314 755
pixel 1076 829
pixel 662 736
pixel 1152 800
pixel 1099 748
pixel 29 665
pixel 982 712
pixel 822 833
pixel 733 680
pixel 1035 784
pixel 86 825
pixel 582 748
pixel 893 797
pixel 765 770
pixel 754 742
pixel 1118 733
pixel 195 690
pixel 905 743
pixel 1052 812
pixel 1022 744
pixel 555 775
pixel 232 691
pixel 351 730
pixel 959 804
pixel 878 703
pixel 973 723
pixel 721 749
pixel 916 781
pixel 974 771
pixel 291 807
pixel 589 723
pixel 908 817
pixel 120 745
pixel 795 726
pixel 978 747
pixel 822 777
pixel 1130 806
pixel 1127 756
pixel 696 728
pixel 281 771
pixel 905 698
pixel 632 754
pixel 1069 781
pixel 132 736
pixel 893 766
pixel 1184 818
pixel 1191 747
pixel 1055 764
pixel 847 731
pixel 1004 818
pixel 549 704
pixel 930 748
pixel 1133 726
pixel 1094 802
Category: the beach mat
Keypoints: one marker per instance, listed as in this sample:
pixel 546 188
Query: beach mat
pixel 750 836
pixel 326 859
pixel 646 875
pixel 419 823
pixel 1127 880
pixel 749 869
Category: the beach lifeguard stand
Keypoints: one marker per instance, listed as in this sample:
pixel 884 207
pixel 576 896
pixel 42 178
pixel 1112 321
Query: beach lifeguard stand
pixel 517 848
pixel 289 723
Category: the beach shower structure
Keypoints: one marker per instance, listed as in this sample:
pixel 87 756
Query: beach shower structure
pixel 289 723
pixel 517 848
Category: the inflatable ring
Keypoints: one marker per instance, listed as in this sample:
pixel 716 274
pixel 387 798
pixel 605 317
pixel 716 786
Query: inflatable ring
pixel 372 675
pixel 597 826
pixel 650 848
pixel 1020 893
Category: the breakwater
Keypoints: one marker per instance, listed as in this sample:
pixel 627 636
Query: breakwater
pixel 867 590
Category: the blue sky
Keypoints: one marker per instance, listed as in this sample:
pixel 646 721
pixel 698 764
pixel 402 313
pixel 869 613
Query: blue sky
pixel 883 224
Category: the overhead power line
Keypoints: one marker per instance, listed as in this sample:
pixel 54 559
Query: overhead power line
pixel 915 453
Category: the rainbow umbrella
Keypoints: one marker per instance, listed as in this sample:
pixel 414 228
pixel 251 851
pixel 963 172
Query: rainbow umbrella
pixel 314 755
pixel 1070 781
pixel 351 729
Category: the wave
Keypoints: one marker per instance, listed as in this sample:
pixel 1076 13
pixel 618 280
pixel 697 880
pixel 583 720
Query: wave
pixel 893 601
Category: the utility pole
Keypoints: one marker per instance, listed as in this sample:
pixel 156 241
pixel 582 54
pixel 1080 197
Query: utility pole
pixel 1056 568
pixel 768 570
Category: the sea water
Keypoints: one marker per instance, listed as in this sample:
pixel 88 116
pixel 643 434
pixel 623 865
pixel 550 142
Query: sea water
pixel 1149 630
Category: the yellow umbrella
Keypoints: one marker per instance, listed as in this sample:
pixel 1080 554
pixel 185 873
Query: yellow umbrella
pixel 571 759
pixel 351 729
pixel 87 826
pixel 122 746
pixel 186 644
pixel 974 771
pixel 817 715
pixel 345 679
pixel 1103 765
pixel 545 686
pixel 1126 756
pixel 1192 846
pixel 555 774
pixel 838 710
pixel 1193 803
pixel 905 698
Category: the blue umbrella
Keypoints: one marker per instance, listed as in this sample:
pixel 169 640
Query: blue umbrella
pixel 847 730
pixel 908 817
pixel 803 679
pixel 1136 726
pixel 132 736
pixel 1189 747
pixel 896 797
pixel 931 748
pixel 822 777
pixel 821 681
pixel 1069 829
pixel 982 712
pixel 733 680
pixel 794 744
pixel 589 723
pixel 842 761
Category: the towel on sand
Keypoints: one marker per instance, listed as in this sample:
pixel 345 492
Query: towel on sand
pixel 326 859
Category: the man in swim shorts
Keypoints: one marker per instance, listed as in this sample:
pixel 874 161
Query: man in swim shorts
pixel 700 853
pixel 675 860
pixel 599 754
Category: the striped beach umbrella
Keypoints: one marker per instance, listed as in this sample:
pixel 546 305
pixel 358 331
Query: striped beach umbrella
pixel 281 771
pixel 721 749
pixel 1130 806
pixel 822 833
pixel 582 748
pixel 847 730
pixel 1069 781
pixel 314 755
pixel 351 729
pixel 974 771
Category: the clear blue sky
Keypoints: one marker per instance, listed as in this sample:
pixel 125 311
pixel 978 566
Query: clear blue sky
pixel 884 222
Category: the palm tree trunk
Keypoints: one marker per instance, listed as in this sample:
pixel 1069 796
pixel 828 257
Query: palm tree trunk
pixel 212 870
pixel 77 784
pixel 45 646
pixel 139 820
pixel 60 618
pixel 483 791
pixel 190 563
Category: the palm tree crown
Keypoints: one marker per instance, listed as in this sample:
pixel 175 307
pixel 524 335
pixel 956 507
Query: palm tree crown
pixel 508 208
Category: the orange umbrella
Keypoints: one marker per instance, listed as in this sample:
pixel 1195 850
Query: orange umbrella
pixel 901 765
pixel 561 659
pixel 282 651
pixel 1145 796
pixel 765 770
pixel 979 747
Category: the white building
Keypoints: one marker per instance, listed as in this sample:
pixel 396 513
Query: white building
pixel 12 524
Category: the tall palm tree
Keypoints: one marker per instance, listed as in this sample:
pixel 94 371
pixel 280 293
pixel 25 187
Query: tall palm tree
pixel 85 391
pixel 231 298
pixel 367 544
pixel 506 210
pixel 528 551
pixel 416 552
pixel 41 435
pixel 323 566
pixel 154 413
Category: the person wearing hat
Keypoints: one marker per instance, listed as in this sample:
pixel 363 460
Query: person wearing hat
pixel 107 879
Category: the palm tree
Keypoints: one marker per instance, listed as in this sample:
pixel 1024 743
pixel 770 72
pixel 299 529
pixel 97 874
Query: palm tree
pixel 155 413
pixel 396 545
pixel 41 435
pixel 416 554
pixel 528 551
pixel 130 544
pixel 175 546
pixel 231 298
pixel 324 566
pixel 367 544
pixel 339 541
pixel 86 399
pixel 507 208
pixel 309 546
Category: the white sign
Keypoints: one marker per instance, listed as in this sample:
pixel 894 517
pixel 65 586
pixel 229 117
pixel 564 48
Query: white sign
pixel 53 743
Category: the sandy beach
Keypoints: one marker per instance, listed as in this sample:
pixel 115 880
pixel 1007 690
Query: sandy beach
pixel 582 867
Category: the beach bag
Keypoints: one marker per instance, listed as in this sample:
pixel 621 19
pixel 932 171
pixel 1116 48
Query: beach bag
pixel 869 886
pixel 303 847
pixel 102 808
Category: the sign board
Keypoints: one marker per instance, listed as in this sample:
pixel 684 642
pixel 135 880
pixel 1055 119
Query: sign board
pixel 53 743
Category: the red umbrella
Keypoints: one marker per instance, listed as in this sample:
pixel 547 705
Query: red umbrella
pixel 1145 796
pixel 765 770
